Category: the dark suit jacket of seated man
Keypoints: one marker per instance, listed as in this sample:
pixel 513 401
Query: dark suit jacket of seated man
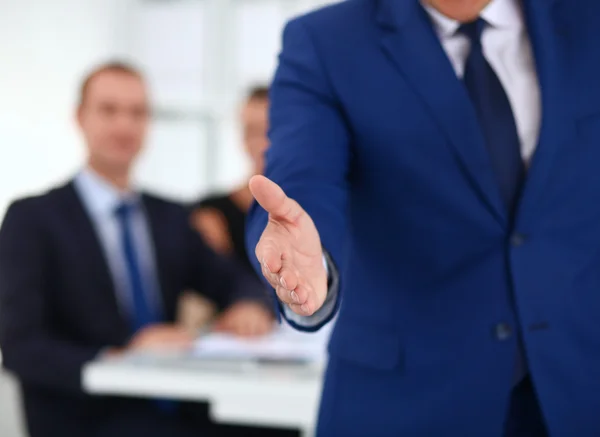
pixel 66 297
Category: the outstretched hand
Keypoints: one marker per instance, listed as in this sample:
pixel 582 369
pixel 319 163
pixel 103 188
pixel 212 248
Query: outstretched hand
pixel 289 250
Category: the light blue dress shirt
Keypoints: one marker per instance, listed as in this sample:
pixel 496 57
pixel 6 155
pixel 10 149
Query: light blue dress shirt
pixel 101 199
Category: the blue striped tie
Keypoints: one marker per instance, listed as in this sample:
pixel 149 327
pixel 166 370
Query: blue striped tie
pixel 142 312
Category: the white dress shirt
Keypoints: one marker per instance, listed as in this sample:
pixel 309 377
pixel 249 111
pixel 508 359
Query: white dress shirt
pixel 507 49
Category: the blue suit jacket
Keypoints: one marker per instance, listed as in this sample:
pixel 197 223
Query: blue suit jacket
pixel 374 135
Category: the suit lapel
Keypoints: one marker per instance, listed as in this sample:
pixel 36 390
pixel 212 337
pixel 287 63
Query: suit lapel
pixel 409 40
pixel 90 250
pixel 557 124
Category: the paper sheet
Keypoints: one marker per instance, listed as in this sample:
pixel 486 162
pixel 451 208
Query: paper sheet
pixel 283 345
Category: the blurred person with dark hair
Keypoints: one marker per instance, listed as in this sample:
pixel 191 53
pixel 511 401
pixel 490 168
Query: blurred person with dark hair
pixel 96 267
pixel 221 218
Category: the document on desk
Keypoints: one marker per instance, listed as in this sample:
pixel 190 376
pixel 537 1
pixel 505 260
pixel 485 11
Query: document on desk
pixel 282 346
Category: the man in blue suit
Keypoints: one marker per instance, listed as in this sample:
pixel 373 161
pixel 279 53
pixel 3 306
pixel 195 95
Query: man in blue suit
pixel 442 156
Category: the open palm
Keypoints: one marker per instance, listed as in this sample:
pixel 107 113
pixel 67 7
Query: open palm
pixel 290 250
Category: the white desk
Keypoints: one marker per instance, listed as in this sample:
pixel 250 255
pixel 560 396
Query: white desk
pixel 239 393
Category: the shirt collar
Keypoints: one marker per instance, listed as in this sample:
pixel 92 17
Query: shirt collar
pixel 99 195
pixel 498 13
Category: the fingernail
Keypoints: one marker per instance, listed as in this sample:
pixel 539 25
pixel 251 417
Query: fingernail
pixel 294 296
pixel 304 308
pixel 264 263
pixel 282 282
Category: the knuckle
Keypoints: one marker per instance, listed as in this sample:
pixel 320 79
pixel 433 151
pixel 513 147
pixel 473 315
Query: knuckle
pixel 273 279
pixel 280 293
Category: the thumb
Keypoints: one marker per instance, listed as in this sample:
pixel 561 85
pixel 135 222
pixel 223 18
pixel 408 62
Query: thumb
pixel 271 197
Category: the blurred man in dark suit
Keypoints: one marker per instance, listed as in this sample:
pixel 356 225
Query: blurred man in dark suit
pixel 95 267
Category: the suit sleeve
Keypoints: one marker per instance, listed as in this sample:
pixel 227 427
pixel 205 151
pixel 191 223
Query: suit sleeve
pixel 218 278
pixel 31 348
pixel 310 150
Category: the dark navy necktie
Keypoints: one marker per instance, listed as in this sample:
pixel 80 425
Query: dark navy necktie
pixel 495 117
pixel 142 311
pixel 499 130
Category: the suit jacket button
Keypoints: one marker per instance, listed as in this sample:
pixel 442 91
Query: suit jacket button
pixel 517 239
pixel 503 331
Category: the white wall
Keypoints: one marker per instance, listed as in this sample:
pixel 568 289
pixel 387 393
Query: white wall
pixel 213 51
pixel 45 48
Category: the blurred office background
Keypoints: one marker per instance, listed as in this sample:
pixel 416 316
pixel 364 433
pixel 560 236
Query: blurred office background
pixel 200 57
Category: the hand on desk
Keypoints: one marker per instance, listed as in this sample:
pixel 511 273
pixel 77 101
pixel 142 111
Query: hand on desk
pixel 246 319
pixel 290 250
pixel 163 337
